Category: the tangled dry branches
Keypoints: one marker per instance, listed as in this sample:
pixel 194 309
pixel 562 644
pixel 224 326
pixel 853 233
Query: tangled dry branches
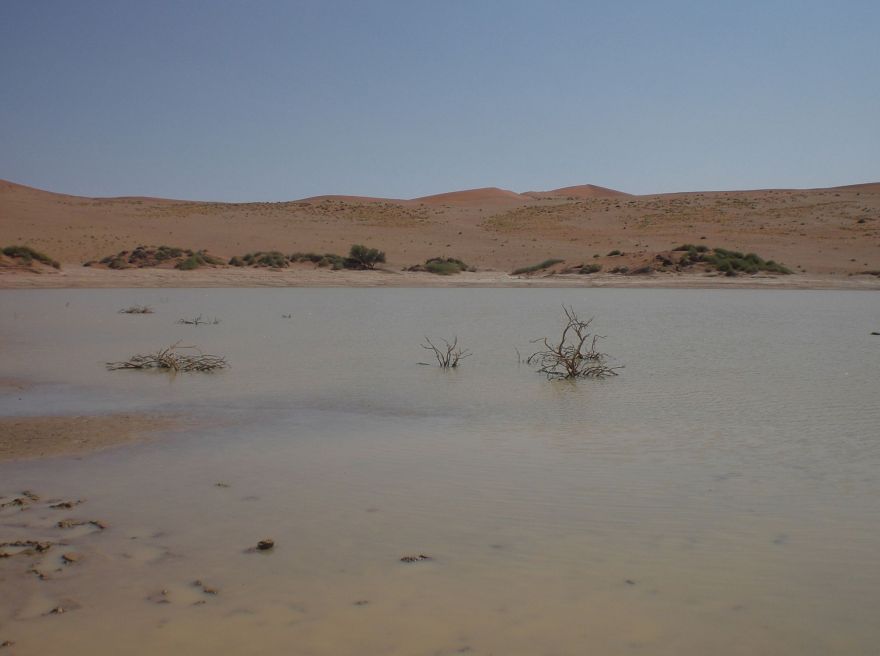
pixel 137 309
pixel 448 356
pixel 171 359
pixel 198 321
pixel 575 355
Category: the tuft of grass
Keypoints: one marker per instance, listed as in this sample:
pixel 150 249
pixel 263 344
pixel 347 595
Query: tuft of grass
pixel 546 264
pixel 28 255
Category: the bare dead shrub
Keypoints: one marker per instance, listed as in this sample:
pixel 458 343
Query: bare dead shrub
pixel 575 354
pixel 198 321
pixel 449 355
pixel 172 359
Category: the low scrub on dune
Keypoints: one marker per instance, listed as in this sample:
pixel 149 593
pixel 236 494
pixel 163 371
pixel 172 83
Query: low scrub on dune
pixel 27 255
pixel 359 257
pixel 731 263
pixel 442 266
pixel 546 264
pixel 144 257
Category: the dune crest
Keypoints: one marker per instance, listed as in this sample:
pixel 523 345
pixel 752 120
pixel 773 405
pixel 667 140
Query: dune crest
pixel 579 191
pixel 483 195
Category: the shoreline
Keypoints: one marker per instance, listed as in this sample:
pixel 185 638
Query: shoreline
pixel 88 278
pixel 41 437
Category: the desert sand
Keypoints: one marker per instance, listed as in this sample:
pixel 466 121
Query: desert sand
pixel 829 237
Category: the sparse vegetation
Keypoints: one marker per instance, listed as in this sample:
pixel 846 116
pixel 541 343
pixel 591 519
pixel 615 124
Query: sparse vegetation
pixel 171 359
pixel 158 256
pixel 728 262
pixel 546 264
pixel 449 356
pixel 27 255
pixel 137 309
pixel 442 266
pixel 575 354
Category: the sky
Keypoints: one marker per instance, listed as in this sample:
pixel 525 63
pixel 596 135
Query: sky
pixel 277 100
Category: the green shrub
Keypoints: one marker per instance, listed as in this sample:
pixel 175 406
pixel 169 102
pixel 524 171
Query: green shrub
pixel 28 255
pixel 273 259
pixel 590 268
pixel 445 266
pixel 363 257
pixel 546 264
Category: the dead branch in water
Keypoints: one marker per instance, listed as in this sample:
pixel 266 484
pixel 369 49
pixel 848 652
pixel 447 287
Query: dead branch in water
pixel 137 309
pixel 448 356
pixel 575 355
pixel 198 321
pixel 171 359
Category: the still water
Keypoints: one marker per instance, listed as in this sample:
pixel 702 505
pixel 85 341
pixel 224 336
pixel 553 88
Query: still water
pixel 720 496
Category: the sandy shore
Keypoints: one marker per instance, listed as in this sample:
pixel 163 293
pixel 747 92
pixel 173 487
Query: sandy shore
pixel 73 277
pixel 41 437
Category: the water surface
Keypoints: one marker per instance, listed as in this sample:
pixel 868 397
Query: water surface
pixel 719 496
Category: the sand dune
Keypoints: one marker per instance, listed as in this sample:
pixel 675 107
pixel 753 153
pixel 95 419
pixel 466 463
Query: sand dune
pixel 484 195
pixel 834 231
pixel 579 191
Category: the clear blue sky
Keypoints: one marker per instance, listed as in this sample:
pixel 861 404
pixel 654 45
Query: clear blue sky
pixel 274 100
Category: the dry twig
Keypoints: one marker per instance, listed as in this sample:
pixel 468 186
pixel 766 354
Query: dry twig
pixel 198 321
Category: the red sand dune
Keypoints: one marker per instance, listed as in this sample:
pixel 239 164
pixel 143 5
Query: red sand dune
pixel 484 195
pixel 579 191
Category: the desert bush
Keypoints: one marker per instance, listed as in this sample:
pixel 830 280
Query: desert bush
pixel 363 257
pixel 273 259
pixel 614 253
pixel 449 355
pixel 731 263
pixel 546 264
pixel 575 354
pixel 590 268
pixel 173 360
pixel 28 255
pixel 444 266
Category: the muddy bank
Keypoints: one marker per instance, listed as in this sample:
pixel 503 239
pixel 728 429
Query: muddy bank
pixel 90 278
pixel 41 437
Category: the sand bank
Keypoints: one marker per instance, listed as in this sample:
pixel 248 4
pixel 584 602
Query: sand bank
pixel 93 278
pixel 40 437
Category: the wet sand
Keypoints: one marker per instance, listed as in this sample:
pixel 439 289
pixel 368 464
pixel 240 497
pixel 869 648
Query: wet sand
pixel 75 277
pixel 43 437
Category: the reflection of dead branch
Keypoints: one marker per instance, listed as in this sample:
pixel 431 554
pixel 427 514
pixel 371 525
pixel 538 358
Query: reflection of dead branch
pixel 137 309
pixel 575 355
pixel 449 355
pixel 172 360
pixel 198 321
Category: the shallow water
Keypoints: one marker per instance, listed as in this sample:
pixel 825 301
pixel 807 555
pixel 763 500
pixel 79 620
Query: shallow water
pixel 719 496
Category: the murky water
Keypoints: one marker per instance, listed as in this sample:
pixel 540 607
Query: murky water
pixel 719 497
